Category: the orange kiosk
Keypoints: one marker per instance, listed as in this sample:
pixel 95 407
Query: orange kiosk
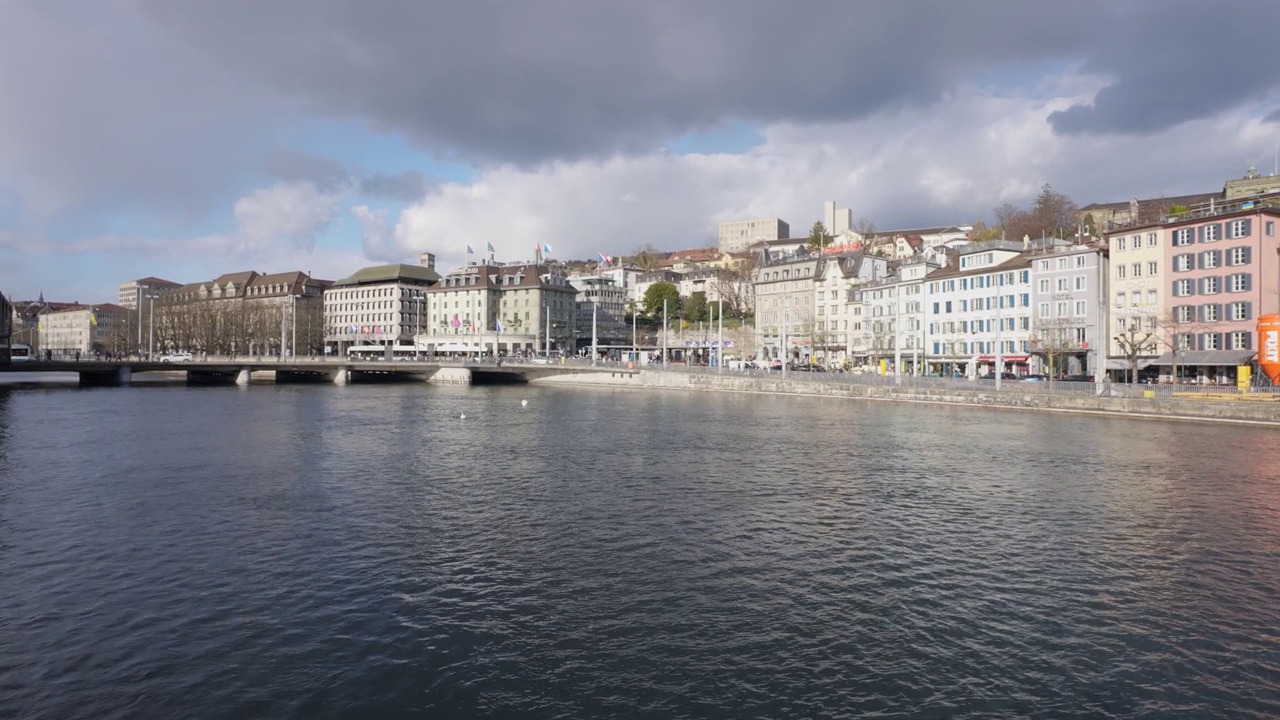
pixel 1269 347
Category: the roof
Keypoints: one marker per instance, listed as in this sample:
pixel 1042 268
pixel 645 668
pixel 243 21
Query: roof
pixel 151 280
pixel 494 277
pixel 99 307
pixel 396 272
pixel 1017 262
pixel 915 231
pixel 1173 200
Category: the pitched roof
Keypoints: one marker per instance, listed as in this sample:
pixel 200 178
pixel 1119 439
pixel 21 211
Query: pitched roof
pixel 1195 199
pixel 397 272
pixel 1014 263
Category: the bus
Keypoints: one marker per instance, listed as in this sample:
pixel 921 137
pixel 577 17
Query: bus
pixel 19 353
pixel 379 352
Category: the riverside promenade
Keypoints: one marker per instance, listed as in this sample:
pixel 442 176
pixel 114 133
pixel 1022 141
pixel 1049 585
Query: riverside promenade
pixel 1254 405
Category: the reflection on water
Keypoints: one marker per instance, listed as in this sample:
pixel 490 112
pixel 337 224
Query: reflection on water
pixel 360 551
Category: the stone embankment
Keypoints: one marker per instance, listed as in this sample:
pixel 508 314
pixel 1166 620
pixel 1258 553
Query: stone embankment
pixel 1189 408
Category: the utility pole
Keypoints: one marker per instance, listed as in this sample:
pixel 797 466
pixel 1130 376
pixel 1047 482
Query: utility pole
pixel 139 308
pixel 720 341
pixel 293 340
pixel 151 332
pixel 999 331
pixel 546 339
pixel 635 351
pixel 664 332
pixel 595 305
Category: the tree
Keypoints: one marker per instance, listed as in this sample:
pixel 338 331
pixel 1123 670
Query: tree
pixel 695 306
pixel 1053 339
pixel 1134 342
pixel 818 236
pixel 736 285
pixel 657 294
pixel 1052 214
pixel 646 258
pixel 1179 326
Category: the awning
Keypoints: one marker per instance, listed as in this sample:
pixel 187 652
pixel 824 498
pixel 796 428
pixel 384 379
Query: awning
pixel 1123 364
pixel 1207 357
pixel 1006 358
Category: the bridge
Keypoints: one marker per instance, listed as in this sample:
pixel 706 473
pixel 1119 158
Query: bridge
pixel 341 372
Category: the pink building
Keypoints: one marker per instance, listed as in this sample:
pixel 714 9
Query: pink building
pixel 1223 272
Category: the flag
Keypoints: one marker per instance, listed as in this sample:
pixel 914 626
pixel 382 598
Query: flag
pixel 546 249
pixel 490 247
pixel 608 259
pixel 470 251
pixel 499 325
pixel 602 257
pixel 455 321
pixel 93 318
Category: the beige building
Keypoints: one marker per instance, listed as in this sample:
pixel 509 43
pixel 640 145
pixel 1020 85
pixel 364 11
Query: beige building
pixel 486 307
pixel 383 305
pixel 738 235
pixel 85 330
pixel 1137 290
pixel 784 291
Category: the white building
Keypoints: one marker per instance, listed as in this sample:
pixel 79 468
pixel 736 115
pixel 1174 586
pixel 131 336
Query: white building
pixel 382 305
pixel 83 331
pixel 784 293
pixel 131 293
pixel 838 329
pixel 1068 298
pixel 984 299
pixel 836 220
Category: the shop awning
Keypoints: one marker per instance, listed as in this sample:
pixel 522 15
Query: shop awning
pixel 1207 357
pixel 1006 358
pixel 1123 364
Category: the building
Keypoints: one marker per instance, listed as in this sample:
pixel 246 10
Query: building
pixel 644 281
pixel 1222 276
pixel 602 314
pixel 738 235
pixel 1138 283
pixel 242 313
pixel 838 332
pixel 85 331
pixel 983 300
pixel 784 291
pixel 894 317
pixel 1069 302
pixel 132 294
pixel 6 328
pixel 383 304
pixel 1252 185
pixel 836 220
pixel 25 319
pixel 486 307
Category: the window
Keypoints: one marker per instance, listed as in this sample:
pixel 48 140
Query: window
pixel 1182 263
pixel 1151 297
pixel 1238 311
pixel 1209 341
pixel 1063 285
pixel 1119 243
pixel 1239 340
pixel 1209 260
pixel 1044 266
pixel 1136 269
pixel 1181 237
pixel 1151 322
pixel 1183 313
pixel 1137 299
pixel 1210 285
pixel 1153 268
pixel 1210 313
pixel 1062 263
pixel 1119 299
pixel 1151 239
pixel 1271 228
pixel 1238 228
pixel 1044 309
pixel 1081 308
pixel 1239 282
pixel 1212 233
pixel 1080 283
pixel 1079 261
pixel 1182 288
pixel 1044 285
pixel 1062 309
pixel 1120 271
pixel 1238 256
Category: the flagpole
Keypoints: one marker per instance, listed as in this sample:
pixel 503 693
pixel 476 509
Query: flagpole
pixel 720 342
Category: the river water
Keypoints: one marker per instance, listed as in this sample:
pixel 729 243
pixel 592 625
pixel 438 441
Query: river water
pixel 364 552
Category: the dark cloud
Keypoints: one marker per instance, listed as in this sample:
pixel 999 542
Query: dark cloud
pixel 292 166
pixel 406 186
pixel 529 81
pixel 1175 62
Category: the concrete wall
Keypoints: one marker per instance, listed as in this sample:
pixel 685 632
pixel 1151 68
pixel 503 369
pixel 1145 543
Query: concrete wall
pixel 1259 412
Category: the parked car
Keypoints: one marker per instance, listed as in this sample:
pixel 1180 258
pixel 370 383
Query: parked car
pixel 1077 378
pixel 1003 376
pixel 176 358
pixel 1033 378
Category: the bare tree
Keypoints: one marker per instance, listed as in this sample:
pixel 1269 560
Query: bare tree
pixel 1054 339
pixel 1134 342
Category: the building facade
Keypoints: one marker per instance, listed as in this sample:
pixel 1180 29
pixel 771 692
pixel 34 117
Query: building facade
pixel 738 235
pixel 1138 273
pixel 490 308
pixel 1069 300
pixel 978 310
pixel 242 313
pixel 382 305
pixel 601 311
pixel 784 290
pixel 134 293
pixel 85 331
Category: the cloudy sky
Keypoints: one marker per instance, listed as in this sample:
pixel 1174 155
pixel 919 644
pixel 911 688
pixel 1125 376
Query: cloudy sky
pixel 187 139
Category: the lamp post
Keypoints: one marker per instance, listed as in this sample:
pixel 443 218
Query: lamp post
pixel 664 333
pixel 720 332
pixel 138 303
pixel 635 351
pixel 785 351
pixel 151 329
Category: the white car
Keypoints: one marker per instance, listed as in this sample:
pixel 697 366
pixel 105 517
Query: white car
pixel 176 358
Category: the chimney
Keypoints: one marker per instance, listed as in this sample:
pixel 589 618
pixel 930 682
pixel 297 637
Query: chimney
pixel 427 260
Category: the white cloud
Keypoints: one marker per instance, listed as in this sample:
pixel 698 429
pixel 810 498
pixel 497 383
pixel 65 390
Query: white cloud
pixel 287 212
pixel 952 164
